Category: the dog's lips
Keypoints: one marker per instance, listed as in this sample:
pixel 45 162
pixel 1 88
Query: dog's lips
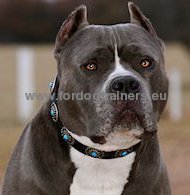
pixel 129 119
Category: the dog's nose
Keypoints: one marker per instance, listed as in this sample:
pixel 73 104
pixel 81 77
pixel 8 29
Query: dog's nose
pixel 125 85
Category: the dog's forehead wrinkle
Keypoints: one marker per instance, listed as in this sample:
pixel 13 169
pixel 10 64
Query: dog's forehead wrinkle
pixel 117 40
pixel 115 33
pixel 112 37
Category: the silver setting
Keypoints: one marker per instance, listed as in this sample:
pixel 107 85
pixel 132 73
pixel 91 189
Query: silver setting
pixel 64 132
pixel 54 112
pixel 52 85
pixel 89 151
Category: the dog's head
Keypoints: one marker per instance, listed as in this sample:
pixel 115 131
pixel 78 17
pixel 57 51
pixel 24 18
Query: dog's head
pixel 120 71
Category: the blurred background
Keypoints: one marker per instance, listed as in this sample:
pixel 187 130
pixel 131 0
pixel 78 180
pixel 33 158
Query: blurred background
pixel 27 33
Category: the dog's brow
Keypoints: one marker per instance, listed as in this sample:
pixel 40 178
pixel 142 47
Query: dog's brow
pixel 135 50
pixel 100 52
pixel 104 49
pixel 131 48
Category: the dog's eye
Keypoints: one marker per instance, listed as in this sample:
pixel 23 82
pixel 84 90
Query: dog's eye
pixel 145 62
pixel 90 67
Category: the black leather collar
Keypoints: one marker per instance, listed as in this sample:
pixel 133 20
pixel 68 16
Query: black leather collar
pixel 66 137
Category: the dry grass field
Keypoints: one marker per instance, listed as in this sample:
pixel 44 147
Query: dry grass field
pixel 174 136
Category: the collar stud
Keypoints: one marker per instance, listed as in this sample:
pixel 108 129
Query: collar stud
pixel 54 112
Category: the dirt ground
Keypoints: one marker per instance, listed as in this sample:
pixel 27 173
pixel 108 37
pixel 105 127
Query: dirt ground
pixel 177 157
pixel 174 138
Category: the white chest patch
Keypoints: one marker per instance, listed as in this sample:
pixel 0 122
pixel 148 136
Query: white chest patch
pixel 100 176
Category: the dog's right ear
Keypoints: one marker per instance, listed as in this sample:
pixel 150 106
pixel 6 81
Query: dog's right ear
pixel 75 21
pixel 137 17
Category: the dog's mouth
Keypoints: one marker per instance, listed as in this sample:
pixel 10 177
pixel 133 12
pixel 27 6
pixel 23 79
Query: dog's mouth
pixel 130 123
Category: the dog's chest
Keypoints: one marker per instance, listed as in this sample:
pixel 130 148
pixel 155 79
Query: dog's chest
pixel 100 177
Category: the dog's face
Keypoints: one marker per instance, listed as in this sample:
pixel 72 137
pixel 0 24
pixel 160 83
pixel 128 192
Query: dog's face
pixel 124 59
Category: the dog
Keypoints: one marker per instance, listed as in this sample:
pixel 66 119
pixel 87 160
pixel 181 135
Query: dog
pixel 99 146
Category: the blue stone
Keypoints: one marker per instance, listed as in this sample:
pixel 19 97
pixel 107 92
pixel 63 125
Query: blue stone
pixel 52 113
pixel 94 154
pixel 124 153
pixel 66 137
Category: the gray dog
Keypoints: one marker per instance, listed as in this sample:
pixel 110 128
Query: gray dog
pixel 97 146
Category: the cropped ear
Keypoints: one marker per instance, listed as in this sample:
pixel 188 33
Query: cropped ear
pixel 75 21
pixel 137 17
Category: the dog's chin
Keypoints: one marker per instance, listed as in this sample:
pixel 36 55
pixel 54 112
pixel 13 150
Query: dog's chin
pixel 125 132
pixel 120 138
pixel 124 138
pixel 127 120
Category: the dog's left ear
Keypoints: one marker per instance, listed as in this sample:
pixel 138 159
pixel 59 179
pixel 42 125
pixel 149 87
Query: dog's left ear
pixel 137 17
pixel 75 21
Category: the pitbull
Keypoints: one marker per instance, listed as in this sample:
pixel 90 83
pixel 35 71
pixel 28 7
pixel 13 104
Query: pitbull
pixel 97 146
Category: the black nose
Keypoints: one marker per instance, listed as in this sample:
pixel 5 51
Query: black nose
pixel 125 85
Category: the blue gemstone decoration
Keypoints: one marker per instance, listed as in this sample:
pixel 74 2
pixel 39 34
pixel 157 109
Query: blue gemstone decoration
pixel 52 113
pixel 66 137
pixel 94 154
pixel 124 153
